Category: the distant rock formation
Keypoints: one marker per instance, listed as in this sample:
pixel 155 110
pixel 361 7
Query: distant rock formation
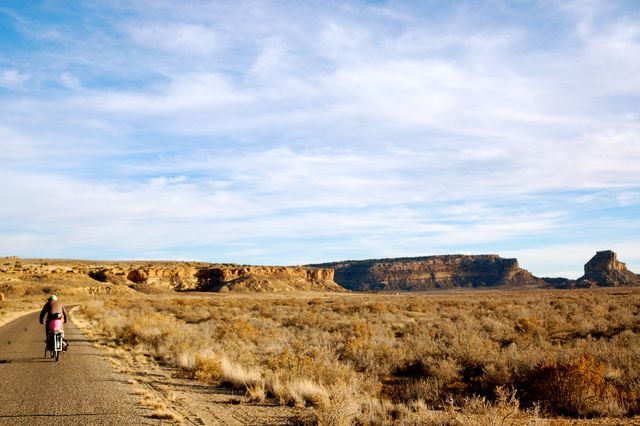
pixel 31 276
pixel 421 273
pixel 156 277
pixel 212 277
pixel 267 278
pixel 559 282
pixel 173 276
pixel 605 270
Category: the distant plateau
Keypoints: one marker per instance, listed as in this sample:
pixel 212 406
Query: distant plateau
pixel 20 277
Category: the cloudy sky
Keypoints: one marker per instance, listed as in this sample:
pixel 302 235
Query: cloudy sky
pixel 292 132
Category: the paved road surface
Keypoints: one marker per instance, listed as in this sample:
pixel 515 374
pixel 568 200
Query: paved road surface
pixel 92 392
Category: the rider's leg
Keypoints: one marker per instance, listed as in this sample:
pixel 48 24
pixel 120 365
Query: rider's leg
pixel 65 344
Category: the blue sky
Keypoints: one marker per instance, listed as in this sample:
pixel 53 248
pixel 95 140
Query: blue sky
pixel 298 132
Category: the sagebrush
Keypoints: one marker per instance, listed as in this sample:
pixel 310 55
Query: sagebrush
pixel 374 358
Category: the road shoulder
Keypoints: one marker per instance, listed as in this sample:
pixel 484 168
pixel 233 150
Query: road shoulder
pixel 183 400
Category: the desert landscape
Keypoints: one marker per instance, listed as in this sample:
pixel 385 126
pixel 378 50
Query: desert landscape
pixel 331 213
pixel 483 342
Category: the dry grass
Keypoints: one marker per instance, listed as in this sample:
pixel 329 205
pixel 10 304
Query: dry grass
pixel 160 410
pixel 12 308
pixel 434 358
pixel 235 375
pixel 165 414
pixel 301 392
pixel 257 393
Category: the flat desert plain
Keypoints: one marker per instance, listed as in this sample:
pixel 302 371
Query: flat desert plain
pixel 447 357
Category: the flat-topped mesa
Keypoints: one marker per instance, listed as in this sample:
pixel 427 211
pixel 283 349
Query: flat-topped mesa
pixel 421 273
pixel 604 269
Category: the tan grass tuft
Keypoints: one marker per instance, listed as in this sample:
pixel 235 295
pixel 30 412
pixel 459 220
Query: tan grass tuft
pixel 163 413
pixel 237 376
pixel 301 392
pixel 257 393
pixel 186 360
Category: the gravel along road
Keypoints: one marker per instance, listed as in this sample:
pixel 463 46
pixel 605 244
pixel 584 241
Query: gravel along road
pixel 80 389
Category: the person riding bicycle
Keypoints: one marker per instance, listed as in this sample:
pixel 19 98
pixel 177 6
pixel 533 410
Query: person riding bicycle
pixel 53 310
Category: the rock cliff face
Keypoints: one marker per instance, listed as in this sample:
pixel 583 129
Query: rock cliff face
pixel 421 273
pixel 210 277
pixel 175 277
pixel 605 270
pixel 33 276
pixel 169 275
pixel 162 276
pixel 267 278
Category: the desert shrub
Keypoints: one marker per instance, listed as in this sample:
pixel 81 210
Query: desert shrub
pixel 8 290
pixel 207 367
pixel 504 411
pixel 531 327
pixel 150 328
pixel 341 405
pixel 434 358
pixel 573 387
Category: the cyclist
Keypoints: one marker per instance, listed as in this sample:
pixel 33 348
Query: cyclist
pixel 53 310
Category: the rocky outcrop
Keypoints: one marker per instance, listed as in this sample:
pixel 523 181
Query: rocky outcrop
pixel 22 276
pixel 605 270
pixel 210 277
pixel 138 276
pixel 107 275
pixel 421 273
pixel 267 278
pixel 176 276
pixel 234 278
pixel 558 282
pixel 157 277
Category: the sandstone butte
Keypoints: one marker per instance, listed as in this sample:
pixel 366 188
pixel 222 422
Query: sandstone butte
pixel 29 276
pixel 604 269
pixel 422 273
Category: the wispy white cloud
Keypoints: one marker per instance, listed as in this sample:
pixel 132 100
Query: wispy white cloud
pixel 70 81
pixel 12 78
pixel 251 131
pixel 175 38
pixel 183 95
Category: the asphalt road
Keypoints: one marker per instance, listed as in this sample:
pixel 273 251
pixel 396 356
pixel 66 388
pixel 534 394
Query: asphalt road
pixel 80 389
